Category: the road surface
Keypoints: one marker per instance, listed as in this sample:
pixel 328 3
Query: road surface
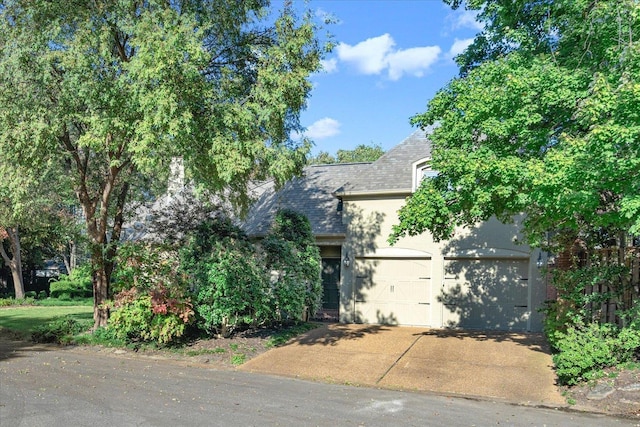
pixel 50 386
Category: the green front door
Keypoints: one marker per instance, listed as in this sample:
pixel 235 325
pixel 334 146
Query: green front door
pixel 330 283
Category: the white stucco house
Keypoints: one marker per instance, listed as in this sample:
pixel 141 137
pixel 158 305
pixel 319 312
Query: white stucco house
pixel 480 279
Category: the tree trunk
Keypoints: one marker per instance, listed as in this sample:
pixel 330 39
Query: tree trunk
pixel 15 263
pixel 100 289
pixel 70 259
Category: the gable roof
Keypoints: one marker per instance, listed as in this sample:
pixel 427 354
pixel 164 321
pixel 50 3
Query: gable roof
pixel 310 194
pixel 392 172
pixel 315 194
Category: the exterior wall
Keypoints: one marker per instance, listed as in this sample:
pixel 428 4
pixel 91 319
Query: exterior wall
pixel 370 223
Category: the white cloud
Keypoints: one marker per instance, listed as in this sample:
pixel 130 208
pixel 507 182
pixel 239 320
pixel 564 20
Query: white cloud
pixel 329 65
pixel 466 19
pixel 377 54
pixel 323 128
pixel 369 56
pixel 414 61
pixel 459 46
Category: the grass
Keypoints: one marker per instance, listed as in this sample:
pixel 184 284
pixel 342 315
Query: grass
pixel 238 359
pixel 25 319
pixel 49 302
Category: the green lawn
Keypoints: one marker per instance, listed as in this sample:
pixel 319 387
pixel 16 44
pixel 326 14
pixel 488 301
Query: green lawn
pixel 24 319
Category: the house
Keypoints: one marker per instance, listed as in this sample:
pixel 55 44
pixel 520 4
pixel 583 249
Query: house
pixel 480 279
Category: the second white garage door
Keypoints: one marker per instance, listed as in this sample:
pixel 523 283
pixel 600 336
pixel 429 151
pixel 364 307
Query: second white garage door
pixel 485 294
pixel 393 291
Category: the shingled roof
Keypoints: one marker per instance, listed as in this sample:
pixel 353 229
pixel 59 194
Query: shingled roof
pixel 391 173
pixel 311 195
pixel 315 194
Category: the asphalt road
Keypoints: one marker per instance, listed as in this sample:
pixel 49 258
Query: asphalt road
pixel 46 386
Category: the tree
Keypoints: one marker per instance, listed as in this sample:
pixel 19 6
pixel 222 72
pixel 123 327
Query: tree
pixel 113 90
pixel 362 153
pixel 29 202
pixel 543 120
pixel 322 158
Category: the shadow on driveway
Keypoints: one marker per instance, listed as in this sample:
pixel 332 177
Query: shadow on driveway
pixel 507 366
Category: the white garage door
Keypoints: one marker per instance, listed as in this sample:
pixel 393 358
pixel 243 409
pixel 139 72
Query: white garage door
pixel 393 291
pixel 485 294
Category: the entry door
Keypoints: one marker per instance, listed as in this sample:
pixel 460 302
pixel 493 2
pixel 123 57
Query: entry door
pixel 485 294
pixel 330 283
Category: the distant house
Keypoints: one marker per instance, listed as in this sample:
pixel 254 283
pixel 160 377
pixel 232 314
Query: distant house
pixel 479 279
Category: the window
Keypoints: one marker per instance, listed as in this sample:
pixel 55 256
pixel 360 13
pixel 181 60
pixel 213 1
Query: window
pixel 421 170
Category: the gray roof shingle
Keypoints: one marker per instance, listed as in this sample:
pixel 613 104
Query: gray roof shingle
pixel 310 194
pixel 392 172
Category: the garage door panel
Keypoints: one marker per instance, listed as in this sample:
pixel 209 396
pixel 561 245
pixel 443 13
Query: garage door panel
pixel 393 291
pixel 485 294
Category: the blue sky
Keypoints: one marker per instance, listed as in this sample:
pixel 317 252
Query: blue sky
pixel 390 59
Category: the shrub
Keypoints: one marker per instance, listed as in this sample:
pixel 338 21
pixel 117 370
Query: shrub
pixel 236 292
pixel 60 331
pixel 155 316
pixel 30 294
pixel 291 252
pixel 229 281
pixel 570 308
pixel 144 266
pixel 584 350
pixel 153 303
pixel 7 302
pixel 75 285
pixel 239 284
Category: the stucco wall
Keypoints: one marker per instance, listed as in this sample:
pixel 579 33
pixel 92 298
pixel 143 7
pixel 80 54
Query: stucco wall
pixel 370 223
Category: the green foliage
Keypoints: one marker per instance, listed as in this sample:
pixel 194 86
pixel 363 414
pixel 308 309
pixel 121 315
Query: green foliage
pixel 362 153
pixel 110 92
pixel 8 302
pixel 102 336
pixel 238 359
pixel 52 302
pixel 144 317
pixel 153 303
pixel 228 279
pixel 294 259
pixel 60 331
pixel 542 121
pixel 235 292
pixel 238 284
pixel 75 285
pixel 572 305
pixel 146 266
pixel 584 350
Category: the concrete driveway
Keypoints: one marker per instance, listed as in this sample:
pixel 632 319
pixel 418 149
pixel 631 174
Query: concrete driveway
pixel 512 367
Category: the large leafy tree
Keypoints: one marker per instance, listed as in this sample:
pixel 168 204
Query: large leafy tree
pixel 114 89
pixel 543 120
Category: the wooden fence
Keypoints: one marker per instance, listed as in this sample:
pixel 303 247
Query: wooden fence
pixel 622 293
